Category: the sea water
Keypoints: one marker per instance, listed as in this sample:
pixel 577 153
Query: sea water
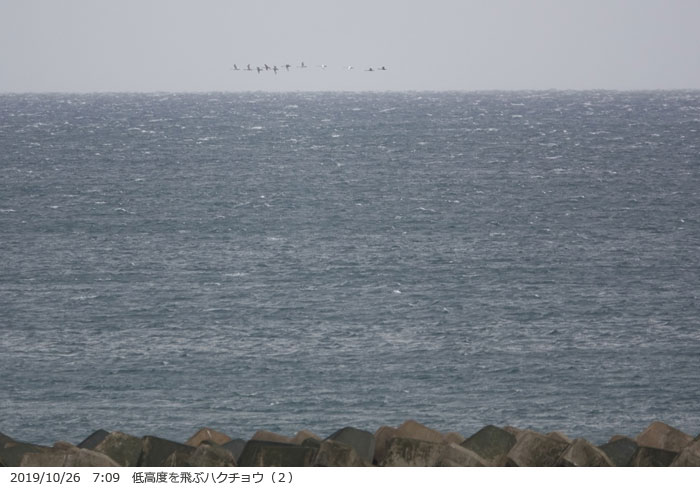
pixel 319 260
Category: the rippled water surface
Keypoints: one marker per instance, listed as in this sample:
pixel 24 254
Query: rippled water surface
pixel 292 261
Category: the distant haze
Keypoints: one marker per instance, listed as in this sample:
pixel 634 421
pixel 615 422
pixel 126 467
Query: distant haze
pixel 179 45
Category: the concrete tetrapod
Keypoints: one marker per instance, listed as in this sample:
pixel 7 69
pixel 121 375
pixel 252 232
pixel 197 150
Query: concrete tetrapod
pixel 491 443
pixel 362 441
pixel 533 449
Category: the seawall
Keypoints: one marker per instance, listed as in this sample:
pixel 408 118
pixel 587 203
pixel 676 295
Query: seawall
pixel 410 444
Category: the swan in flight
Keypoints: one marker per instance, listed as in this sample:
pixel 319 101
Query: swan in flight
pixel 303 65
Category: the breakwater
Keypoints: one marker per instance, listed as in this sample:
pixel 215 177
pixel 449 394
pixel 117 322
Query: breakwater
pixel 410 444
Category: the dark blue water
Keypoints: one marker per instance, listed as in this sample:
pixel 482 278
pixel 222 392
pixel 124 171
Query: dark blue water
pixel 289 261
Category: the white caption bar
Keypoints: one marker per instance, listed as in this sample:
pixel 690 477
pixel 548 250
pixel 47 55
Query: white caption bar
pixel 363 480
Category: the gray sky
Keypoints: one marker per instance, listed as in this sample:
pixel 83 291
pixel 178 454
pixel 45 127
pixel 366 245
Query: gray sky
pixel 191 45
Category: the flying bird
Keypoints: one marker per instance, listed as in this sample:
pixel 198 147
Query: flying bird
pixel 248 68
pixel 235 67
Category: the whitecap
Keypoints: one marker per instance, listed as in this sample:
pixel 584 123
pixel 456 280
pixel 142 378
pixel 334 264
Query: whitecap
pixel 84 297
pixel 7 210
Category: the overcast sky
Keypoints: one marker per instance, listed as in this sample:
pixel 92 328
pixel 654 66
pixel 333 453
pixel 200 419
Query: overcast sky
pixel 191 45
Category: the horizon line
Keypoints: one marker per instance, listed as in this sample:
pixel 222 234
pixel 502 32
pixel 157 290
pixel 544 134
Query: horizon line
pixel 347 91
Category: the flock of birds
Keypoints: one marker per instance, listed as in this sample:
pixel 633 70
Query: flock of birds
pixel 274 68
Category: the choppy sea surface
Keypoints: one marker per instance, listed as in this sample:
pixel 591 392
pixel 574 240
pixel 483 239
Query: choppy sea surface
pixel 288 261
